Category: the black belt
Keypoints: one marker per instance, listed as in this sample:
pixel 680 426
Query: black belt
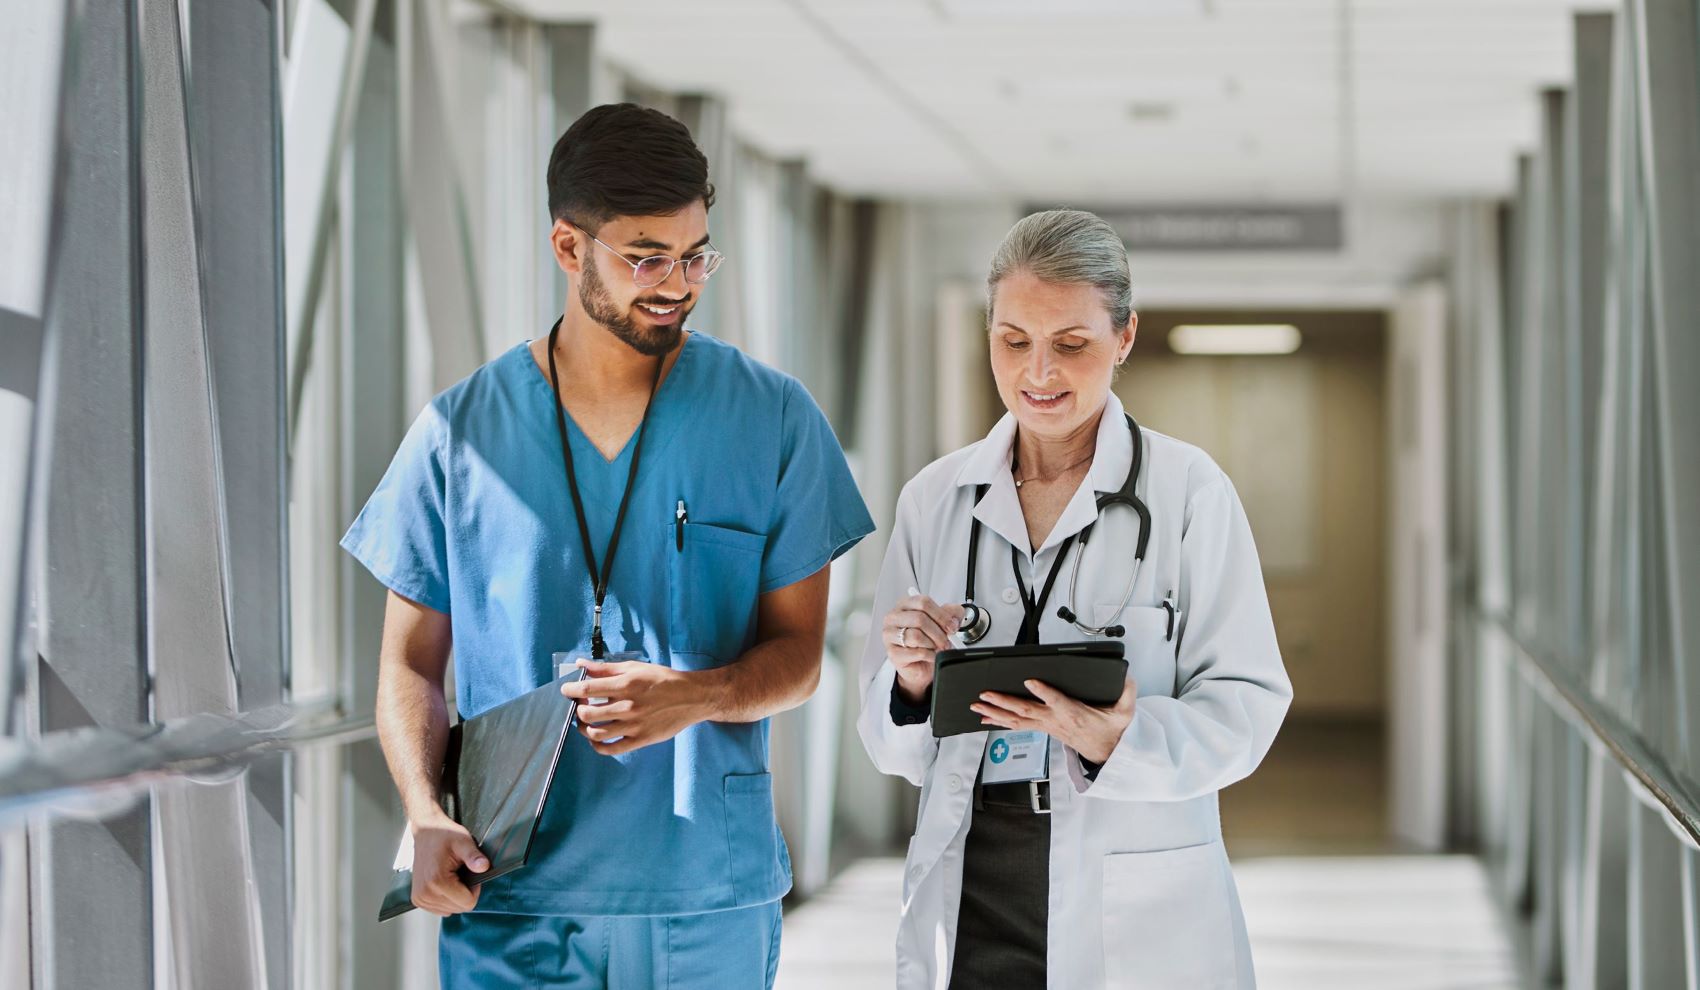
pixel 1028 795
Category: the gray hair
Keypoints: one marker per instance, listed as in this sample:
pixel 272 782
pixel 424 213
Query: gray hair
pixel 1071 247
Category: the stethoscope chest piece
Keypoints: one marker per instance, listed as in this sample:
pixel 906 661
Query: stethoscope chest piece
pixel 976 623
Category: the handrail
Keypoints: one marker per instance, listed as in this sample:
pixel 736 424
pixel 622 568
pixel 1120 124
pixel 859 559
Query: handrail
pixel 99 771
pixel 1659 785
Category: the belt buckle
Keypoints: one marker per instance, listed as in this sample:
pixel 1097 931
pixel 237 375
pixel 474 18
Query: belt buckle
pixel 1039 796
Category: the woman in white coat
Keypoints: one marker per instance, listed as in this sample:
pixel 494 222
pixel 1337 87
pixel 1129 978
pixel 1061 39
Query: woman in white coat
pixel 1110 872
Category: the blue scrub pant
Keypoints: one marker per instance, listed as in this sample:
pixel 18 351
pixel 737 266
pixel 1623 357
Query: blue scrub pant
pixel 722 950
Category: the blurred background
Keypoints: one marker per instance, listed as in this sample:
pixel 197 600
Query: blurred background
pixel 1422 275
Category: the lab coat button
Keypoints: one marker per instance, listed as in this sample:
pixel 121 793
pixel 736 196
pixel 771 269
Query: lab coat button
pixel 1010 596
pixel 953 783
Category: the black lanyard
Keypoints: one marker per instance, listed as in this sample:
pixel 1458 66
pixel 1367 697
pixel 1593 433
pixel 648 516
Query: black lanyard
pixel 598 579
pixel 1032 611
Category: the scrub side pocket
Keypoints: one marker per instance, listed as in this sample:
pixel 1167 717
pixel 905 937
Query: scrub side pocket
pixel 714 573
pixel 760 872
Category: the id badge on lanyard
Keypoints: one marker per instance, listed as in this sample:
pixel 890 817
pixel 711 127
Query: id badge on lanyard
pixel 1015 755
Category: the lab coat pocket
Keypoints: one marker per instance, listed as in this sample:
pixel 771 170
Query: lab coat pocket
pixel 1168 919
pixel 714 572
pixel 1150 650
pixel 759 874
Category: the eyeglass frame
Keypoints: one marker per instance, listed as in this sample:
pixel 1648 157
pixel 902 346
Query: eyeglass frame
pixel 715 255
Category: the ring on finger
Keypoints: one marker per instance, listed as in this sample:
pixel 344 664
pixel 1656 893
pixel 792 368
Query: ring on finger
pixel 903 637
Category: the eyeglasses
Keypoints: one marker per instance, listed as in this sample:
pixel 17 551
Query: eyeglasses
pixel 655 269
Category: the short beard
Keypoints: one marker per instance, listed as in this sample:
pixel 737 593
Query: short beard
pixel 651 342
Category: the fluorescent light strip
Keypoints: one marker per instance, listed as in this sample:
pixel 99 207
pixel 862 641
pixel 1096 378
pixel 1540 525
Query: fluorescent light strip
pixel 1234 338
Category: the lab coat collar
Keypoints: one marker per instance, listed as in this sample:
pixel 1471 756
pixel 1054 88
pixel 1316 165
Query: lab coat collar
pixel 1000 510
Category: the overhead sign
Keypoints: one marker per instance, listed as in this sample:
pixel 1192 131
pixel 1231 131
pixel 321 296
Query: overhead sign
pixel 1228 228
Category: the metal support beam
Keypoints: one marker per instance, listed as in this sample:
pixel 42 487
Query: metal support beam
pixel 1588 239
pixel 1656 935
pixel 204 851
pixel 92 913
pixel 1668 42
pixel 1669 45
pixel 1600 957
pixel 31 69
pixel 436 203
pixel 328 58
pixel 372 420
pixel 234 117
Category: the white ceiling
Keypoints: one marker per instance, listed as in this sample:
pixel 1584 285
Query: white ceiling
pixel 1098 101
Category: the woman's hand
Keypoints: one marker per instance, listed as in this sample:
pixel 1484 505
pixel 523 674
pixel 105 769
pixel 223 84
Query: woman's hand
pixel 1091 732
pixel 915 630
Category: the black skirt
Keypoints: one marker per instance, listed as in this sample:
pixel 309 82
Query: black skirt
pixel 1006 882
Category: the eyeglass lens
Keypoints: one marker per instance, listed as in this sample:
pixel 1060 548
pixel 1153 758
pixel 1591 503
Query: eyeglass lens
pixel 653 271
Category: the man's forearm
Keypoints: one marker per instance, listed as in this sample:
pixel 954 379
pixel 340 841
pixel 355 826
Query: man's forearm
pixel 413 727
pixel 773 676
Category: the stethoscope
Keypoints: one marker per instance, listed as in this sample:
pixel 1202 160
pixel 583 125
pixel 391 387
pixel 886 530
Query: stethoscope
pixel 977 621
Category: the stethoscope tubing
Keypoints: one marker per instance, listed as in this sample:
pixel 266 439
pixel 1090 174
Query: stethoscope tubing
pixel 977 621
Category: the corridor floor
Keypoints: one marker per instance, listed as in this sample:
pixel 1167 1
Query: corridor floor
pixel 1329 903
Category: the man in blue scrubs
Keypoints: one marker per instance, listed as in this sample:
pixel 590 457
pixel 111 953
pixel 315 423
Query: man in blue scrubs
pixel 620 484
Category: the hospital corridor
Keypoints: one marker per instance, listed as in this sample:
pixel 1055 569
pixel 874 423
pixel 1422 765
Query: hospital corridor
pixel 840 494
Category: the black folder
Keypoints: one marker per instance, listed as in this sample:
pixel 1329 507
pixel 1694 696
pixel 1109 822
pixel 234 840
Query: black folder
pixel 497 768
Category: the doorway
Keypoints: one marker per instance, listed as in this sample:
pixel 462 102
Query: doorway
pixel 1302 435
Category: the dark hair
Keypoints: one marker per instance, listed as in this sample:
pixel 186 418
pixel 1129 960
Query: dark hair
pixel 625 160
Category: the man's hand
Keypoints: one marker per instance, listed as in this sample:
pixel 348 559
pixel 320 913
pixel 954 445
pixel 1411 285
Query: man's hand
pixel 639 704
pixel 1091 732
pixel 440 847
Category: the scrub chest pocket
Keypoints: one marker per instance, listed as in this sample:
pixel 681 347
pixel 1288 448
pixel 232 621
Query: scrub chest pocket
pixel 714 573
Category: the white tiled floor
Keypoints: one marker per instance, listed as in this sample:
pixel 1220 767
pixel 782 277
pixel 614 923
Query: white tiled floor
pixel 1317 923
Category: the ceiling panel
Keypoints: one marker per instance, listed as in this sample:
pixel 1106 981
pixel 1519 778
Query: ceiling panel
pixel 1121 101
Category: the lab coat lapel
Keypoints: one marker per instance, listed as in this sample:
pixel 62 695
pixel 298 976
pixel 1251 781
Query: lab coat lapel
pixel 1000 510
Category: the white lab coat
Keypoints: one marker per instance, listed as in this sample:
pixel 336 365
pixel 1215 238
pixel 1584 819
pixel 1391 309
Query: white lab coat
pixel 1141 893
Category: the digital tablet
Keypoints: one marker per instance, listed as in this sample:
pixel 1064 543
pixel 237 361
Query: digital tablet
pixel 1092 671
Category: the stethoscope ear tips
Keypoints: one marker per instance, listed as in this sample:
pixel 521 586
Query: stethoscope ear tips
pixel 976 622
pixel 1067 615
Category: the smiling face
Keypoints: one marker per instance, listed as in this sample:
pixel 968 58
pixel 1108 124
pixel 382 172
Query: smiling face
pixel 1054 352
pixel 650 319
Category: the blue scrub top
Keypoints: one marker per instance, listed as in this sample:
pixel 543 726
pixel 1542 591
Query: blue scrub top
pixel 473 518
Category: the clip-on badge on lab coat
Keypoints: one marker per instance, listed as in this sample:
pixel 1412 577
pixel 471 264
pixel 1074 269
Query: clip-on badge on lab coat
pixel 1015 755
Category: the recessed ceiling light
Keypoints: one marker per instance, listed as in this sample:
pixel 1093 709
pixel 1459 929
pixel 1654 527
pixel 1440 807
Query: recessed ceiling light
pixel 1234 338
pixel 1149 111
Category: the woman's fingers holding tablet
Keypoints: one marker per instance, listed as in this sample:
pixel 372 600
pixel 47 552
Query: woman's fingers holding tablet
pixel 1092 732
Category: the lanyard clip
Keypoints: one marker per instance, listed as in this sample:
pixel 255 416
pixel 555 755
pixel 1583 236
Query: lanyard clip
pixel 598 646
